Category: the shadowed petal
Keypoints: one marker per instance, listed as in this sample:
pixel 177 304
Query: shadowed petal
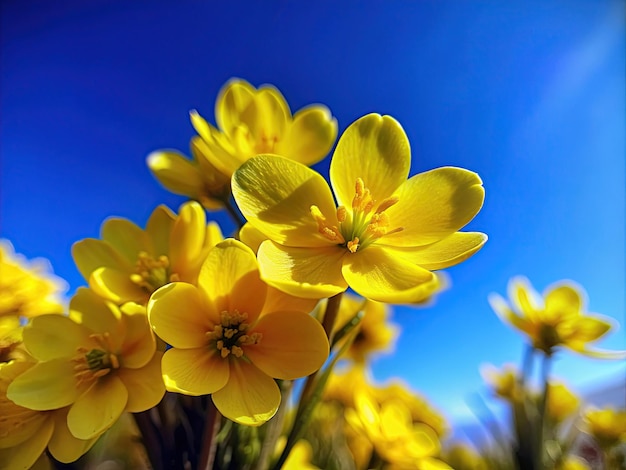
pixel 250 397
pixel 158 228
pixel 377 274
pixel 90 254
pixel 311 135
pixel 54 336
pixel 24 455
pixel 145 385
pixel 195 372
pixel 63 445
pixel 303 272
pixel 126 237
pixel 176 172
pixel 139 343
pixel 116 286
pixel 93 312
pixel 293 345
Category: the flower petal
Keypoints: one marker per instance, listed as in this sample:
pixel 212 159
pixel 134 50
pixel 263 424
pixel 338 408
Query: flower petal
pixel 158 228
pixel 195 372
pixel 310 136
pixel 126 237
pixel 144 385
pixel 380 274
pixel 98 408
pixel 90 254
pixel 250 397
pixel 45 386
pixel 139 343
pixel 524 298
pixel 564 300
pixel 586 329
pixel 178 315
pixel 175 172
pixel 54 336
pixel 232 100
pixel 292 345
pixel 275 195
pixel 24 455
pixel 278 300
pixel 98 315
pixel 230 278
pixel 451 250
pixel 187 238
pixel 251 236
pixel 116 286
pixel 507 315
pixel 304 272
pixel 375 149
pixel 433 205
pixel 63 446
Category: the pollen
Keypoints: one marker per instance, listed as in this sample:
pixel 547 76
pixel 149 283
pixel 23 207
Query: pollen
pixel 231 334
pixel 151 273
pixel 332 233
pixel 91 364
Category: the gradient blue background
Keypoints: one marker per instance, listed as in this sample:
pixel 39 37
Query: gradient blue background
pixel 529 94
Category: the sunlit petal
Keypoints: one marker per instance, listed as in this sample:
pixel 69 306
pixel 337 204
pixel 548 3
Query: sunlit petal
pixel 506 314
pixel 90 254
pixel 311 135
pixel 174 171
pixel 116 286
pixel 158 229
pixel 563 300
pixel 233 99
pixel 195 372
pixel 126 237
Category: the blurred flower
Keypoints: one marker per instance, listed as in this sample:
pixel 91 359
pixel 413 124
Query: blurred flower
pixel 607 426
pixel 387 233
pixel 464 457
pixel 25 433
pixel 503 382
pixel 300 456
pixel 129 263
pixel 27 288
pixel 375 333
pixel 251 122
pixel 226 344
pixel 573 463
pixel 197 178
pixel 100 361
pixel 559 319
pixel 562 403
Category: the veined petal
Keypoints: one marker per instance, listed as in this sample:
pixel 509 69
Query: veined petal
pixel 45 386
pixel 447 252
pixel 233 99
pixel 375 149
pixel 63 445
pixel 53 336
pixel 158 228
pixel 194 372
pixel 312 273
pixel 379 274
pixel 145 385
pixel 139 343
pixel 177 173
pixel 275 195
pixel 293 345
pixel 230 279
pixel 250 397
pixel 116 286
pixel 563 300
pixel 179 316
pixel 90 254
pixel 310 136
pixel 126 237
pixel 98 408
pixel 433 205
pixel 504 312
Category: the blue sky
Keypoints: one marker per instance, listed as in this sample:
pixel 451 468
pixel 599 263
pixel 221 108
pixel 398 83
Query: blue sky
pixel 529 94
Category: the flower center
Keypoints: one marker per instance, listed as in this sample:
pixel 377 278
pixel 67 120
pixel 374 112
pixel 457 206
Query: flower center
pixel 231 334
pixel 150 273
pixel 91 364
pixel 366 223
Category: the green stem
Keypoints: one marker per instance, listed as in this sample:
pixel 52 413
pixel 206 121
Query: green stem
pixel 275 427
pixel 541 416
pixel 209 442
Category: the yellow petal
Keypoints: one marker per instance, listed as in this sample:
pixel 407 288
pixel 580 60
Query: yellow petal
pixel 376 273
pixel 98 408
pixel 504 312
pixel 268 114
pixel 293 345
pixel 97 315
pixel 187 238
pixel 310 136
pixel 63 445
pixel 23 456
pixel 126 237
pixel 115 285
pixel 276 194
pixel 218 151
pixel 375 149
pixel 451 250
pixel 91 254
pixel 230 279
pixel 177 173
pixel 54 336
pixel 158 228
pixel 563 300
pixel 139 343
pixel 278 300
pixel 178 315
pixel 144 385
pixel 195 372
pixel 433 205
pixel 303 272
pixel 251 236
pixel 45 386
pixel 524 298
pixel 250 397
pixel 587 329
pixel 232 100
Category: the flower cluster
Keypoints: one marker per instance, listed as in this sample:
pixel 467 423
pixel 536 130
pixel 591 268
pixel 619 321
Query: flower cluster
pixel 254 351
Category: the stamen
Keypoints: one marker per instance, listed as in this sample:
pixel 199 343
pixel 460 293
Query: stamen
pixel 387 203
pixel 231 335
pixel 150 273
pixel 353 245
pixel 330 232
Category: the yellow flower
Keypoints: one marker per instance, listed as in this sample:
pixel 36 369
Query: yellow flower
pixel 252 121
pixel 504 382
pixel 387 233
pixel 607 426
pixel 226 343
pixel 129 263
pixel 25 433
pixel 558 319
pixel 464 457
pixel 27 288
pixel 573 463
pixel 197 178
pixel 375 332
pixel 562 403
pixel 100 365
pixel 300 456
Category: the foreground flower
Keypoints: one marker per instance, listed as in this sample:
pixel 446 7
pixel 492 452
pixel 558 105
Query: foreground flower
pixel 130 263
pixel 251 122
pixel 25 433
pixel 100 365
pixel 387 233
pixel 607 426
pixel 226 343
pixel 556 320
